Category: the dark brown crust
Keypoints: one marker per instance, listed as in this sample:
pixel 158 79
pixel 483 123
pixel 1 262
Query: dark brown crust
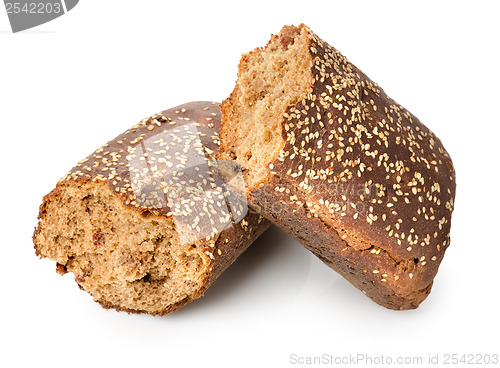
pixel 349 262
pixel 219 250
pixel 346 134
pixel 205 114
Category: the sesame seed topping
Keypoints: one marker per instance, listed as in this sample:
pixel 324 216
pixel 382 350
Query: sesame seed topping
pixel 165 165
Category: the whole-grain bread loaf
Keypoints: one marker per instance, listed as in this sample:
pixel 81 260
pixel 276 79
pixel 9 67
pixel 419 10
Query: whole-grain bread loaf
pixel 333 161
pixel 146 223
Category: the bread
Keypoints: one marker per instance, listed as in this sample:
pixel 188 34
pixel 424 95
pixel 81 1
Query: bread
pixel 333 161
pixel 145 223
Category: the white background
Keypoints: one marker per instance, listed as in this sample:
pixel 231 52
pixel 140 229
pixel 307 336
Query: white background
pixel 70 85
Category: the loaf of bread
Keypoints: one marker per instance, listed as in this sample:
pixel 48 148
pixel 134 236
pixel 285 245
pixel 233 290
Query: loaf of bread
pixel 146 223
pixel 333 161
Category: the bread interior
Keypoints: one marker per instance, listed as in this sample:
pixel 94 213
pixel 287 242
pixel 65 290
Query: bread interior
pixel 269 80
pixel 120 256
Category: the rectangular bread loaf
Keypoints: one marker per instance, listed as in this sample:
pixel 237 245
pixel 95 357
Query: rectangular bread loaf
pixel 333 161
